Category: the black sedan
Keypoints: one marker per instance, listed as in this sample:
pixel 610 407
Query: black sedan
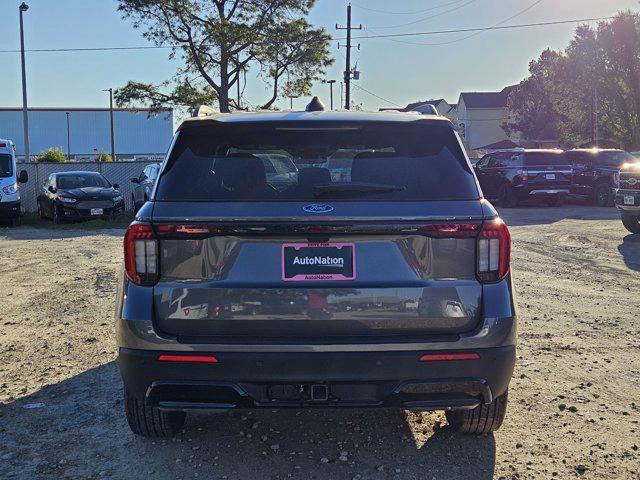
pixel 78 196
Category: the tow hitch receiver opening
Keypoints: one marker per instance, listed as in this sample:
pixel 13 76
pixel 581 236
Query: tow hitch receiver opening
pixel 319 393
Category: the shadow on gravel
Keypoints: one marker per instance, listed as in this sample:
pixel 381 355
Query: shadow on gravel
pixel 630 251
pixel 77 429
pixel 30 233
pixel 542 215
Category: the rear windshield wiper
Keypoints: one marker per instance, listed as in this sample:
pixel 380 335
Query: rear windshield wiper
pixel 355 188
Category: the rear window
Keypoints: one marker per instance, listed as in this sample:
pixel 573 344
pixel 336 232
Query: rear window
pixel 615 159
pixel 308 161
pixel 545 158
pixel 6 165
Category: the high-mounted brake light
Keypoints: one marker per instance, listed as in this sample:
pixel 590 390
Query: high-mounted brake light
pixel 141 254
pixel 494 251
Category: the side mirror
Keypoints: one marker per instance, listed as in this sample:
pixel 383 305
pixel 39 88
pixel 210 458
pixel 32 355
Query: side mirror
pixel 23 176
pixel 116 186
pixel 135 180
pixel 52 189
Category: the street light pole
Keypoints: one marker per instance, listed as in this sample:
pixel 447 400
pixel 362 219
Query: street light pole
pixel 113 141
pixel 331 82
pixel 68 139
pixel 25 114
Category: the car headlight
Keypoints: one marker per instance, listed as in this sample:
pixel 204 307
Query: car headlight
pixel 11 189
pixel 117 199
pixel 68 199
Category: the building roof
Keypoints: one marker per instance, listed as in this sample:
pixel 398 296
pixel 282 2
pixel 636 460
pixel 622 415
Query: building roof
pixel 501 145
pixel 486 99
pixel 290 116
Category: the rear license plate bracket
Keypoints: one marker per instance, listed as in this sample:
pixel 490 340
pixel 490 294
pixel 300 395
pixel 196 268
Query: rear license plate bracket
pixel 313 262
pixel 97 211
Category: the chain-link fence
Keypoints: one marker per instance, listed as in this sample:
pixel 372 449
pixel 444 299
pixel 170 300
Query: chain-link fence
pixel 116 172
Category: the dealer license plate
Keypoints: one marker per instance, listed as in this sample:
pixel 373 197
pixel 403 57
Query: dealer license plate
pixel 550 176
pixel 629 200
pixel 96 211
pixel 316 262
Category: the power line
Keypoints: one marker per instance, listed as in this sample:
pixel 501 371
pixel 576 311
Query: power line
pixel 466 37
pixel 377 96
pixel 469 2
pixel 361 37
pixel 415 12
pixel 483 29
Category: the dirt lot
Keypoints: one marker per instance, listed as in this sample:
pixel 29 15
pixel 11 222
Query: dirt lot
pixel 574 403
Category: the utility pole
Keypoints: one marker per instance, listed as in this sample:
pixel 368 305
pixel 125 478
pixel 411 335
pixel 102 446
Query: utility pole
pixel 68 139
pixel 331 82
pixel 596 126
pixel 113 138
pixel 347 70
pixel 25 113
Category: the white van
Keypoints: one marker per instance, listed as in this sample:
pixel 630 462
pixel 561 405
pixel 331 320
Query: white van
pixel 9 183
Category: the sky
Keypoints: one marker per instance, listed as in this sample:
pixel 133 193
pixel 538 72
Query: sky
pixel 399 70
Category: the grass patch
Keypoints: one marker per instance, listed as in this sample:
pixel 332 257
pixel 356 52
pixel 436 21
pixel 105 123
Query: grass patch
pixel 121 221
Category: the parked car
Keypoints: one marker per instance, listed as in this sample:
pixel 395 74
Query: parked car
pixel 143 185
pixel 627 196
pixel 409 225
pixel 78 195
pixel 10 182
pixel 595 173
pixel 515 176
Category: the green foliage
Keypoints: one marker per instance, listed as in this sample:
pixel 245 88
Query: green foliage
pixel 219 42
pixel 103 157
pixel 52 155
pixel 597 74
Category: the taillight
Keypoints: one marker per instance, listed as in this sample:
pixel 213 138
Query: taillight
pixel 523 174
pixel 494 251
pixel 141 254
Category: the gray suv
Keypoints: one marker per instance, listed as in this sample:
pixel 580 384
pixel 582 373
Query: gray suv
pixel 386 287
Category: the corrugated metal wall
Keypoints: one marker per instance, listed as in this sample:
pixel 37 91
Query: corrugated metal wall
pixel 116 172
pixel 135 133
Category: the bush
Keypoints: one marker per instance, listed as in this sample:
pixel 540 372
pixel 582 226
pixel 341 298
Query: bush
pixel 104 157
pixel 53 155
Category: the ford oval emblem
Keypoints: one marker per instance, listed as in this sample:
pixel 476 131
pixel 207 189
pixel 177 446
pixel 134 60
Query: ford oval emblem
pixel 632 181
pixel 317 208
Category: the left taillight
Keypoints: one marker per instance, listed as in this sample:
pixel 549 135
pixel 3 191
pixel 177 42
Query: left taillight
pixel 141 254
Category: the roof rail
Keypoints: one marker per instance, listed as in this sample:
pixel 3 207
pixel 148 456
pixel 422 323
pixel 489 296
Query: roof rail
pixel 202 111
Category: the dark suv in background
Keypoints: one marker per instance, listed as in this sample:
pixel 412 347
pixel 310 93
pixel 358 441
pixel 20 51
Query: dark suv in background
pixel 627 197
pixel 515 176
pixel 595 173
pixel 143 185
pixel 385 286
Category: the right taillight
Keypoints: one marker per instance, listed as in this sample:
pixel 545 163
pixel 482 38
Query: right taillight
pixel 494 251
pixel 141 254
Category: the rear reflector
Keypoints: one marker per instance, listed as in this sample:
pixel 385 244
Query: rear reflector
pixel 141 254
pixel 440 357
pixel 188 358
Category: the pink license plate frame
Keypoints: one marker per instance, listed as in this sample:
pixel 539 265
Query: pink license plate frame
pixel 313 277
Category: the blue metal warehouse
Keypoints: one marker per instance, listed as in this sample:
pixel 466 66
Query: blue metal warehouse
pixel 88 131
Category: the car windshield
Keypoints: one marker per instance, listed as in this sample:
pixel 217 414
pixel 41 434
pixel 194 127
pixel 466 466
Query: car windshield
pixel 81 180
pixel 615 158
pixel 341 160
pixel 6 165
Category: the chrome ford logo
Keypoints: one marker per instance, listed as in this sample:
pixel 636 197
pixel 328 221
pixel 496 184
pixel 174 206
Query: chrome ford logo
pixel 317 208
pixel 632 181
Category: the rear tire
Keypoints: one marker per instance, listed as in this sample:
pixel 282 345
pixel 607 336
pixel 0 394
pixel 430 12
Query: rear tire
pixel 16 221
pixel 507 198
pixel 480 420
pixel 631 223
pixel 602 195
pixel 151 422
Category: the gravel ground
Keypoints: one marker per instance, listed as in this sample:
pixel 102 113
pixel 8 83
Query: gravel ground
pixel 574 397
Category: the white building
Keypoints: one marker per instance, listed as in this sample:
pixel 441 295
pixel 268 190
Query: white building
pixel 481 116
pixel 83 132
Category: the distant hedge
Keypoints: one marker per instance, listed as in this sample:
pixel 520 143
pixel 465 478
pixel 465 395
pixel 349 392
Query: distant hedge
pixel 55 155
pixel 104 157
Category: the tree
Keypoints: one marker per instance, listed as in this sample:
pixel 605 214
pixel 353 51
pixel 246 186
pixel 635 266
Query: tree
pixel 103 157
pixel 219 41
pixel 595 79
pixel 51 155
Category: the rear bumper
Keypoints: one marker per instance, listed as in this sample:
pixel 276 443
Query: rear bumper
pixel 9 209
pixel 319 379
pixel 542 192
